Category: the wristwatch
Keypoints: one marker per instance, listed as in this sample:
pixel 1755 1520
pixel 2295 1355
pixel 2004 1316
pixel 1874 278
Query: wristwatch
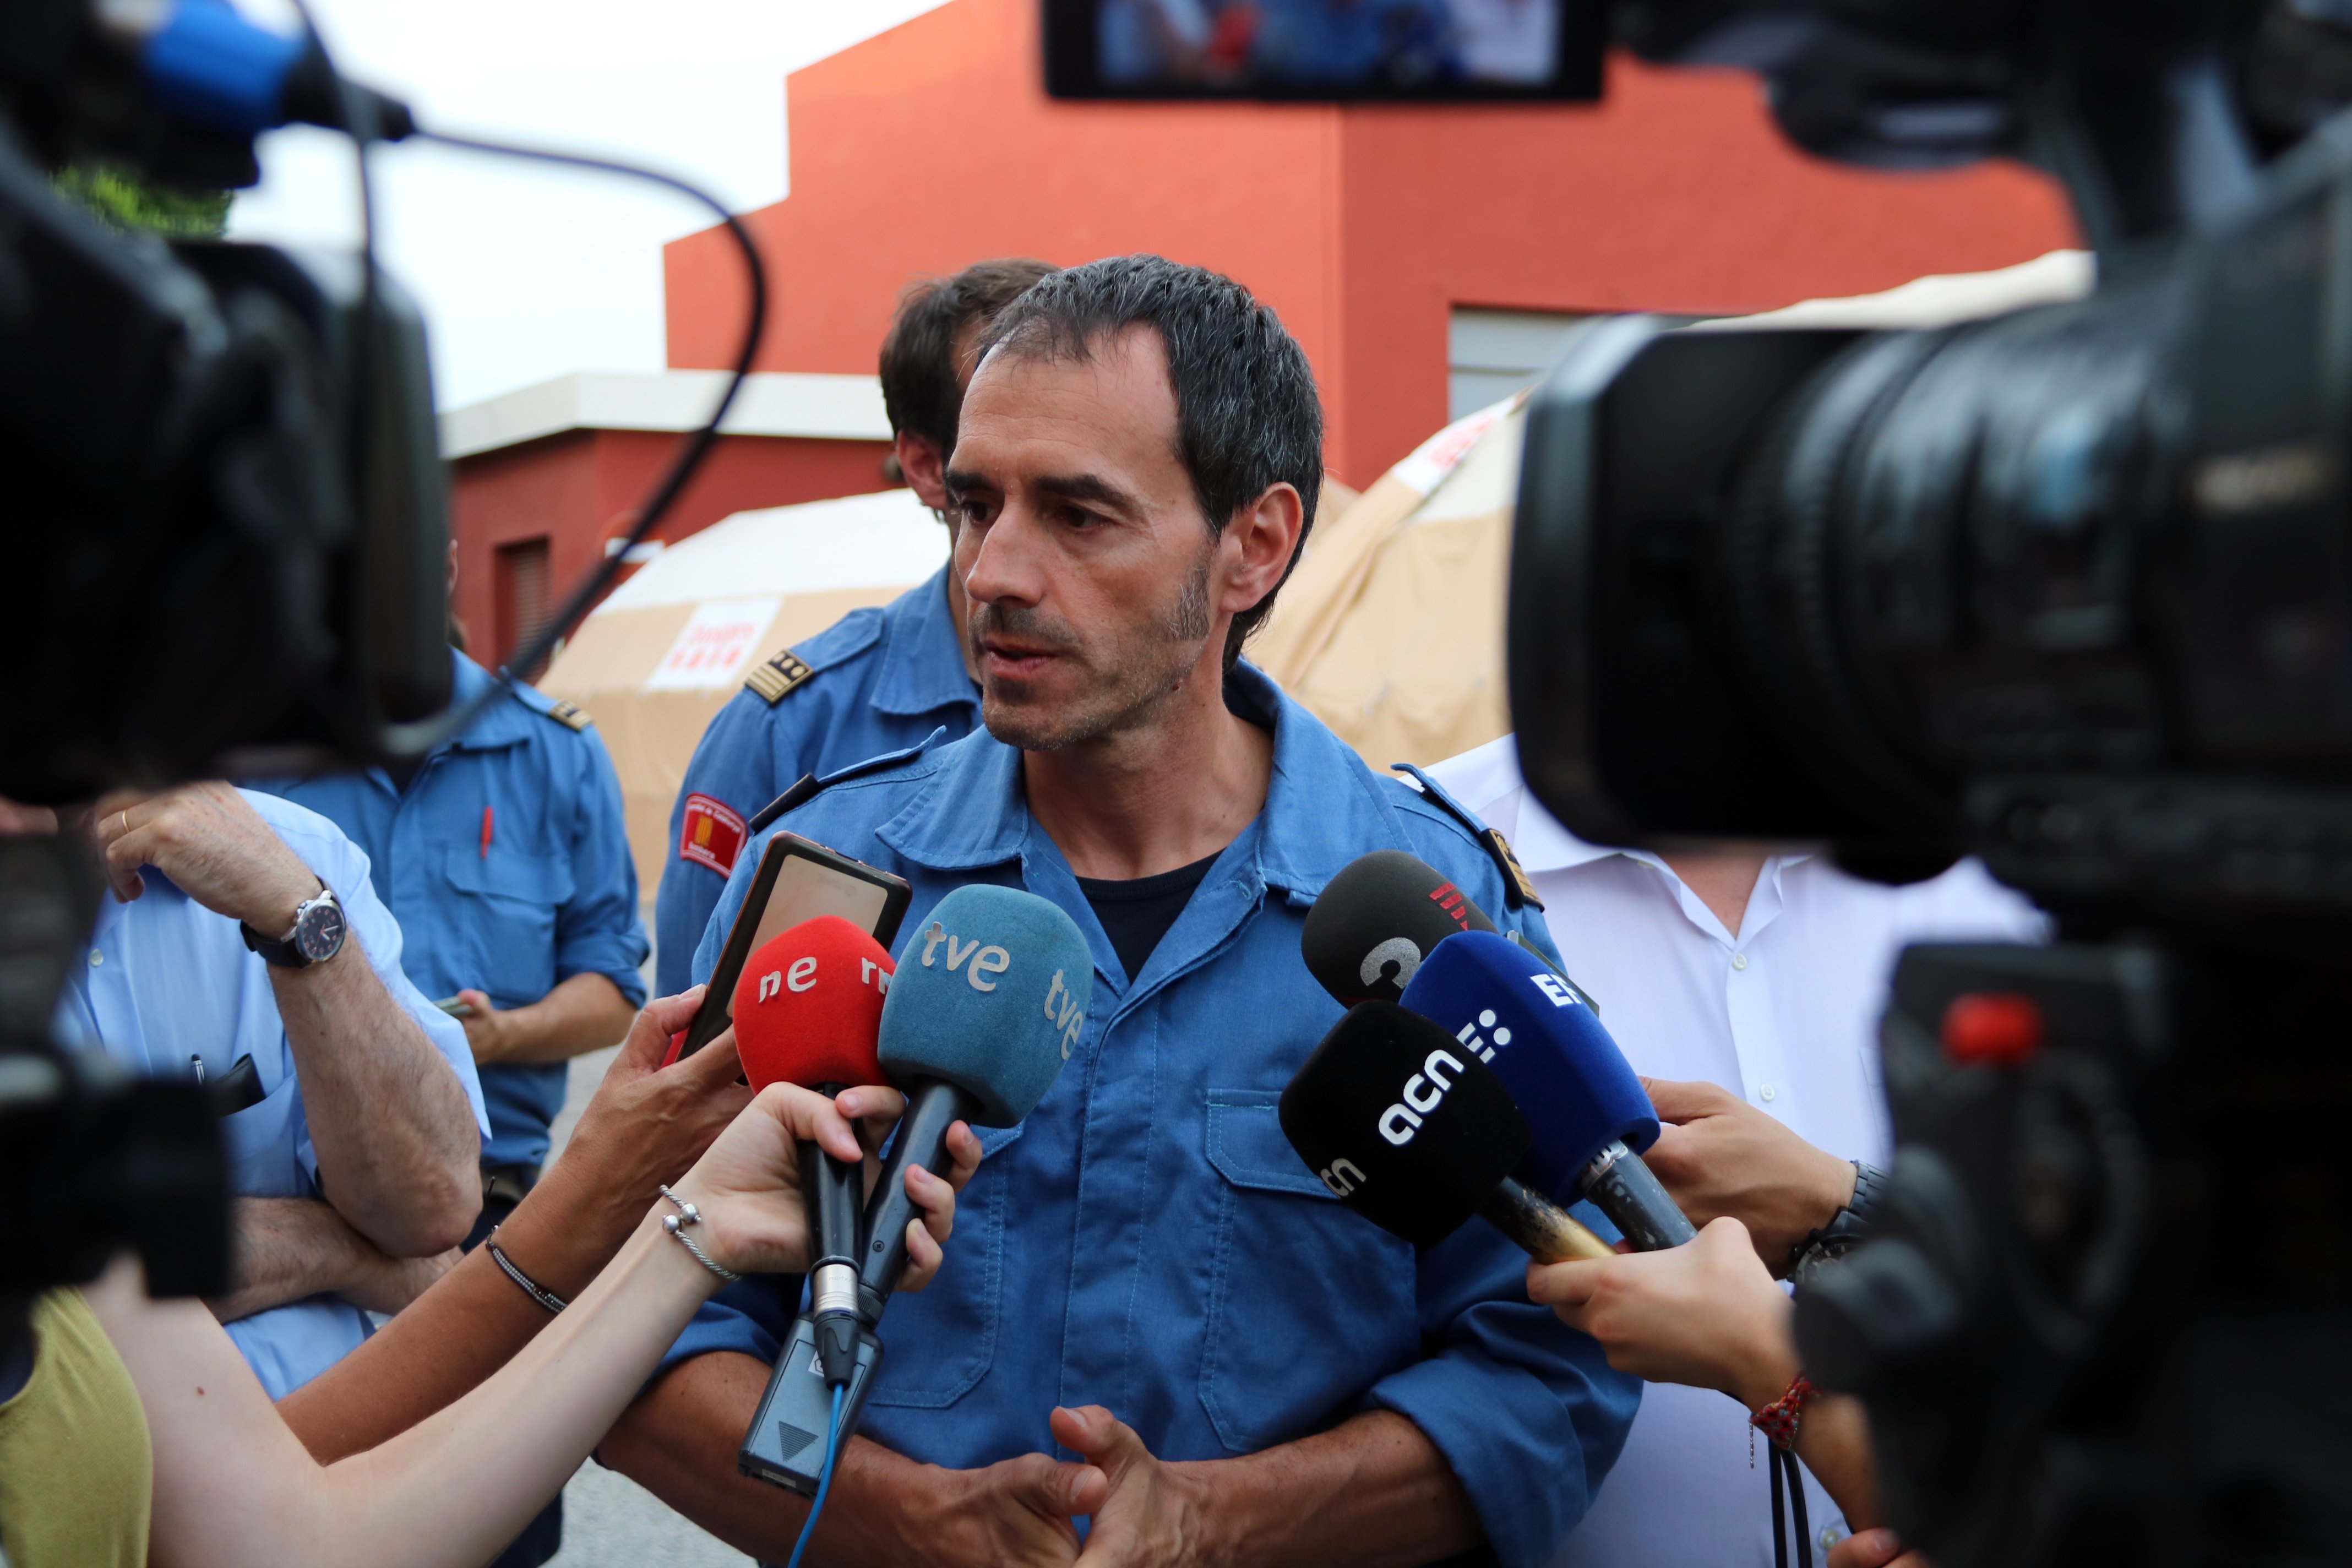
pixel 317 935
pixel 1847 1228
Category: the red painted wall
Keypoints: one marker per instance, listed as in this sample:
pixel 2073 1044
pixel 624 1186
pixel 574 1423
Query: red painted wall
pixel 933 144
pixel 580 488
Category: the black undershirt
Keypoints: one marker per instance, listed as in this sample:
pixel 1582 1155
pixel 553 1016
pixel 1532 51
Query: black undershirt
pixel 1135 915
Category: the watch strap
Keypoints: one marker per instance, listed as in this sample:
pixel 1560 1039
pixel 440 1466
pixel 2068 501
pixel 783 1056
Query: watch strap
pixel 1851 1226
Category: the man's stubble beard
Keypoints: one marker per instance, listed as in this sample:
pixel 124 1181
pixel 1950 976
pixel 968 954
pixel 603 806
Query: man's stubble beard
pixel 1143 670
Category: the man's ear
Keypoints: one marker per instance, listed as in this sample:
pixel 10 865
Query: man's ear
pixel 1266 536
pixel 926 468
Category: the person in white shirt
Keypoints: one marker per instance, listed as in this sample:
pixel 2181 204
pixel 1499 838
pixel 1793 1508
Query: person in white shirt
pixel 1747 985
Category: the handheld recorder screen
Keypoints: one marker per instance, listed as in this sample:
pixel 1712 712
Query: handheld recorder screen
pixel 797 880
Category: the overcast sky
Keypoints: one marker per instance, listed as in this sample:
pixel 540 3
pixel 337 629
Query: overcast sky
pixel 528 272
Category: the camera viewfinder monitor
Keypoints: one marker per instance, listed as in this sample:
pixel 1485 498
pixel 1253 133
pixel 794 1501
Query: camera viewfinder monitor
pixel 1327 51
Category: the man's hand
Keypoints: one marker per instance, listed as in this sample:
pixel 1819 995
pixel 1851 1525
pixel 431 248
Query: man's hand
pixel 1718 1155
pixel 213 845
pixel 1145 1512
pixel 584 1013
pixel 1015 1513
pixel 388 1285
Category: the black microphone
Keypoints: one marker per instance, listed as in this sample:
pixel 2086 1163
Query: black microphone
pixel 1407 1126
pixel 1377 919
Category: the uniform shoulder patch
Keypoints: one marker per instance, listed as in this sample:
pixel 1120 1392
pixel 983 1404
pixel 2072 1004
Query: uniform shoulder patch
pixel 777 677
pixel 571 715
pixel 710 834
pixel 1519 887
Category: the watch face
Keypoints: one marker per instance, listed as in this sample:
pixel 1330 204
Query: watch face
pixel 319 934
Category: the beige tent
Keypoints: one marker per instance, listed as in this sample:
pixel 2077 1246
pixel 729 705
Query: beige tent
pixel 1391 629
pixel 656 660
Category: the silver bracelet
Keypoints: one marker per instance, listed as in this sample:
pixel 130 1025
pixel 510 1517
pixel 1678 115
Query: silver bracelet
pixel 676 1225
pixel 531 1286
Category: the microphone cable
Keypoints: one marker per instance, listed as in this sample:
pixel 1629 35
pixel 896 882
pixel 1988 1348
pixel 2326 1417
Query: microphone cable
pixel 1783 1463
pixel 365 127
pixel 832 1453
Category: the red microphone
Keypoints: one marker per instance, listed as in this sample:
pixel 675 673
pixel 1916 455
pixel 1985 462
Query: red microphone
pixel 808 1007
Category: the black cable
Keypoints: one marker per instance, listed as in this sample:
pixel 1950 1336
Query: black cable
pixel 414 740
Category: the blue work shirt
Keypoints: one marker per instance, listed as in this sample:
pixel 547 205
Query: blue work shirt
pixel 1148 1240
pixel 880 679
pixel 507 863
pixel 167 982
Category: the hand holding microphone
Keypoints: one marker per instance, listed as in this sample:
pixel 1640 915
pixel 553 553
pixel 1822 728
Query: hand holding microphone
pixel 807 1009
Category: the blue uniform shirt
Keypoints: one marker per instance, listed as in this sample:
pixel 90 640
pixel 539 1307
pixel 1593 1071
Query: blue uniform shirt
pixel 1147 1239
pixel 510 903
pixel 166 980
pixel 880 680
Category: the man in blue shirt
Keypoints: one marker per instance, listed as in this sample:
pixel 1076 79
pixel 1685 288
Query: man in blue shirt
pixel 351 1114
pixel 878 679
pixel 503 856
pixel 1145 1276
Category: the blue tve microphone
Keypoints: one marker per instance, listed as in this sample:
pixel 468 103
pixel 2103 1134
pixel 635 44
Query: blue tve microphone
pixel 990 995
pixel 1591 1118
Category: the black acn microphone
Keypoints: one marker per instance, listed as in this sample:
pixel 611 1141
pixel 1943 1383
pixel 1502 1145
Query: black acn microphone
pixel 1410 1129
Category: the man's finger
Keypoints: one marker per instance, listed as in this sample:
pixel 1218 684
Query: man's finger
pixel 935 1199
pixel 1057 1490
pixel 1108 1444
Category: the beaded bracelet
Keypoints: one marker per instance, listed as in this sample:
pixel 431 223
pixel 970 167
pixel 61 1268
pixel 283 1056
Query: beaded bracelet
pixel 1778 1420
pixel 676 1225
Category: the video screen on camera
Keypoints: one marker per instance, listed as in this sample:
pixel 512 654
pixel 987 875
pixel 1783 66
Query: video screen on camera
pixel 1322 49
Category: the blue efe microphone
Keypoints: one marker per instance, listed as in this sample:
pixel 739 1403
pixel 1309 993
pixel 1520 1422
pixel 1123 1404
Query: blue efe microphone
pixel 990 995
pixel 1591 1117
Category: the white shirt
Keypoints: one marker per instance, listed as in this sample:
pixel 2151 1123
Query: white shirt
pixel 167 983
pixel 1784 1012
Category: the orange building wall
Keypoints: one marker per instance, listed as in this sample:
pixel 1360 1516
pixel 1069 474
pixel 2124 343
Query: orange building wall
pixel 933 144
pixel 580 488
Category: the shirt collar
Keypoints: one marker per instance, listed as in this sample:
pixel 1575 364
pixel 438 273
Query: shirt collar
pixel 502 724
pixel 922 654
pixel 1323 806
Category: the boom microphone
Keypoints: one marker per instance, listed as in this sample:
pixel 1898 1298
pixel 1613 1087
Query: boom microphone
pixel 1591 1119
pixel 1405 1125
pixel 808 1010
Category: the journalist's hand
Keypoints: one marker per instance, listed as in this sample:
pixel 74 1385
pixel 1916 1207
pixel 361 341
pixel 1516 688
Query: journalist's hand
pixel 648 1123
pixel 1145 1512
pixel 213 845
pixel 1705 1314
pixel 747 1184
pixel 1718 1155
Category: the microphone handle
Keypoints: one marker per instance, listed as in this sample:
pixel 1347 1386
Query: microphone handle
pixel 1545 1231
pixel 1626 1189
pixel 932 1107
pixel 833 1192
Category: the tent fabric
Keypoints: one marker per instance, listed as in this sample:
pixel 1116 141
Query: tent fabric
pixel 1391 629
pixel 654 662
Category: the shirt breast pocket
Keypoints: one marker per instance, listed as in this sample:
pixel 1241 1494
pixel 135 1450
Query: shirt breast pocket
pixel 1307 1301
pixel 940 1344
pixel 502 912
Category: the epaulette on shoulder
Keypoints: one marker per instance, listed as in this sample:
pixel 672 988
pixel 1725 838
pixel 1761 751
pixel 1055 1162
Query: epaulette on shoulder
pixel 778 677
pixel 809 786
pixel 571 715
pixel 1518 888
